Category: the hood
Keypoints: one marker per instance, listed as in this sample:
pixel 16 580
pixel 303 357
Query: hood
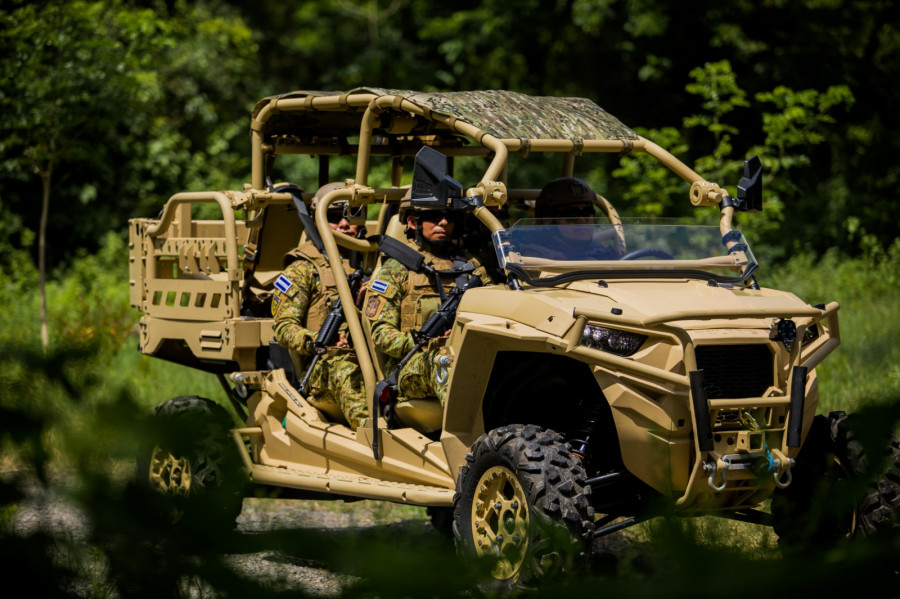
pixel 653 302
pixel 690 303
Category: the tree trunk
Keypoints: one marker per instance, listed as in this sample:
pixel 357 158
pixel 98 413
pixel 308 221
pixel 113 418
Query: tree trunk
pixel 42 245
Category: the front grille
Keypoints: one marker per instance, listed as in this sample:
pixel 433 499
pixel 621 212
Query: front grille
pixel 731 371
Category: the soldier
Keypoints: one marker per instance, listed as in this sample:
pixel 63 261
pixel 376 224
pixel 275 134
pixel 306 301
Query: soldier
pixel 566 197
pixel 398 299
pixel 568 203
pixel 302 299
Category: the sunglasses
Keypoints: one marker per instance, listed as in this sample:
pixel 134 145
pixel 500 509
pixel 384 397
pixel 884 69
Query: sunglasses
pixel 335 216
pixel 434 216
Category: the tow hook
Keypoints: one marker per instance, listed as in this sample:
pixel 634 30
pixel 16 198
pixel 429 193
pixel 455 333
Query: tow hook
pixel 773 461
pixel 239 386
pixel 781 465
pixel 714 468
pixel 442 362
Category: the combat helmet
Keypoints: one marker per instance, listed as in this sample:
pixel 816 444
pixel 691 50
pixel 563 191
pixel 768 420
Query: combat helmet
pixel 325 190
pixel 562 192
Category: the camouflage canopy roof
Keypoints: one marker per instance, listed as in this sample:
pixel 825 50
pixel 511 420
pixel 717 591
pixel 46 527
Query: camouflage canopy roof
pixel 503 114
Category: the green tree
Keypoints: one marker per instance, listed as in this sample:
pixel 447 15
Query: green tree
pixel 104 102
pixel 63 58
pixel 793 122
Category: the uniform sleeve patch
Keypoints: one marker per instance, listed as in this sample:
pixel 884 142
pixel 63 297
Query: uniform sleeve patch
pixel 373 306
pixel 380 286
pixel 282 284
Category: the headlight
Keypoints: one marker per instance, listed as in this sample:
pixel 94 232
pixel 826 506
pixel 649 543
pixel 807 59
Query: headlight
pixel 811 334
pixel 785 330
pixel 614 341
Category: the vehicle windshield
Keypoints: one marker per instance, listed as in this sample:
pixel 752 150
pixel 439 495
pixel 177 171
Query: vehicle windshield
pixel 555 250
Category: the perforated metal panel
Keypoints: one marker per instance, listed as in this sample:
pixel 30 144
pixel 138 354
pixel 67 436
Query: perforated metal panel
pixel 734 371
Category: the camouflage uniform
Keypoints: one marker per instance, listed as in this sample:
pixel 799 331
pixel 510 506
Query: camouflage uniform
pixel 398 300
pixel 302 299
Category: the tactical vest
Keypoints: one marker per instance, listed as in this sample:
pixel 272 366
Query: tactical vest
pixel 321 305
pixel 422 298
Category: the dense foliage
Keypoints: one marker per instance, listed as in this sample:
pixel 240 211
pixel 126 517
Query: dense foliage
pixel 114 107
pixel 118 104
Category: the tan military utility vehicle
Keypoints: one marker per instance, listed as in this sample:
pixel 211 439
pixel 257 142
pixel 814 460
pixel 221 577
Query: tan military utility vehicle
pixel 613 362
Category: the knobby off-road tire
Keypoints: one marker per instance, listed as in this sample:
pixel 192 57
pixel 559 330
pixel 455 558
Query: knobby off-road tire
pixel 193 467
pixel 441 520
pixel 834 495
pixel 522 501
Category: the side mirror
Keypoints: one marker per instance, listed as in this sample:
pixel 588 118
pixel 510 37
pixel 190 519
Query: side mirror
pixel 432 187
pixel 749 190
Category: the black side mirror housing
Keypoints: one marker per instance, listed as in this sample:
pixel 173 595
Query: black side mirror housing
pixel 432 187
pixel 749 190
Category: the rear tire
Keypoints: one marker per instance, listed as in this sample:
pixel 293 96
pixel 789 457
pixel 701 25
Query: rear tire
pixel 441 520
pixel 193 467
pixel 833 464
pixel 523 503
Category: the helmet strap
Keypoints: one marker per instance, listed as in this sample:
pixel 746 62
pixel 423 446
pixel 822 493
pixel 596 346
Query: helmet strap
pixel 419 239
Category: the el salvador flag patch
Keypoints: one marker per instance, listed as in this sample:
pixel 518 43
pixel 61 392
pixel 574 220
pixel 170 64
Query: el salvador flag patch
pixel 379 286
pixel 282 284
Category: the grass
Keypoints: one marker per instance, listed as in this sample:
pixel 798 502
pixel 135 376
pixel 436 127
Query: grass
pixel 754 541
pixel 865 369
pixel 152 380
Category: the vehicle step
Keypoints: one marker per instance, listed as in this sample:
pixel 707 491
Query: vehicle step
pixel 356 486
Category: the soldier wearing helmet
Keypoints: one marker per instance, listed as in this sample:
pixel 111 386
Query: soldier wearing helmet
pixel 566 206
pixel 399 299
pixel 566 197
pixel 303 297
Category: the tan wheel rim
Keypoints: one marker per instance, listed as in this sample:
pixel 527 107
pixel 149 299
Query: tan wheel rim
pixel 169 474
pixel 500 521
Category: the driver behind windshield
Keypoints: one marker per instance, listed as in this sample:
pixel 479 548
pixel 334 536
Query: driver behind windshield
pixel 565 198
pixel 567 203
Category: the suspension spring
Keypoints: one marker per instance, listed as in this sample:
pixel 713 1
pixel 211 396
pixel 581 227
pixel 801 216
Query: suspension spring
pixel 581 439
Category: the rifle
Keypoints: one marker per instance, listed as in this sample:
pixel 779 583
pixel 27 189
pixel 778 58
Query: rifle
pixel 328 334
pixel 435 326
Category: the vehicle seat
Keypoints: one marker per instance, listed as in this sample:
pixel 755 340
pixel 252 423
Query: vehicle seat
pixel 396 229
pixel 279 234
pixel 613 216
